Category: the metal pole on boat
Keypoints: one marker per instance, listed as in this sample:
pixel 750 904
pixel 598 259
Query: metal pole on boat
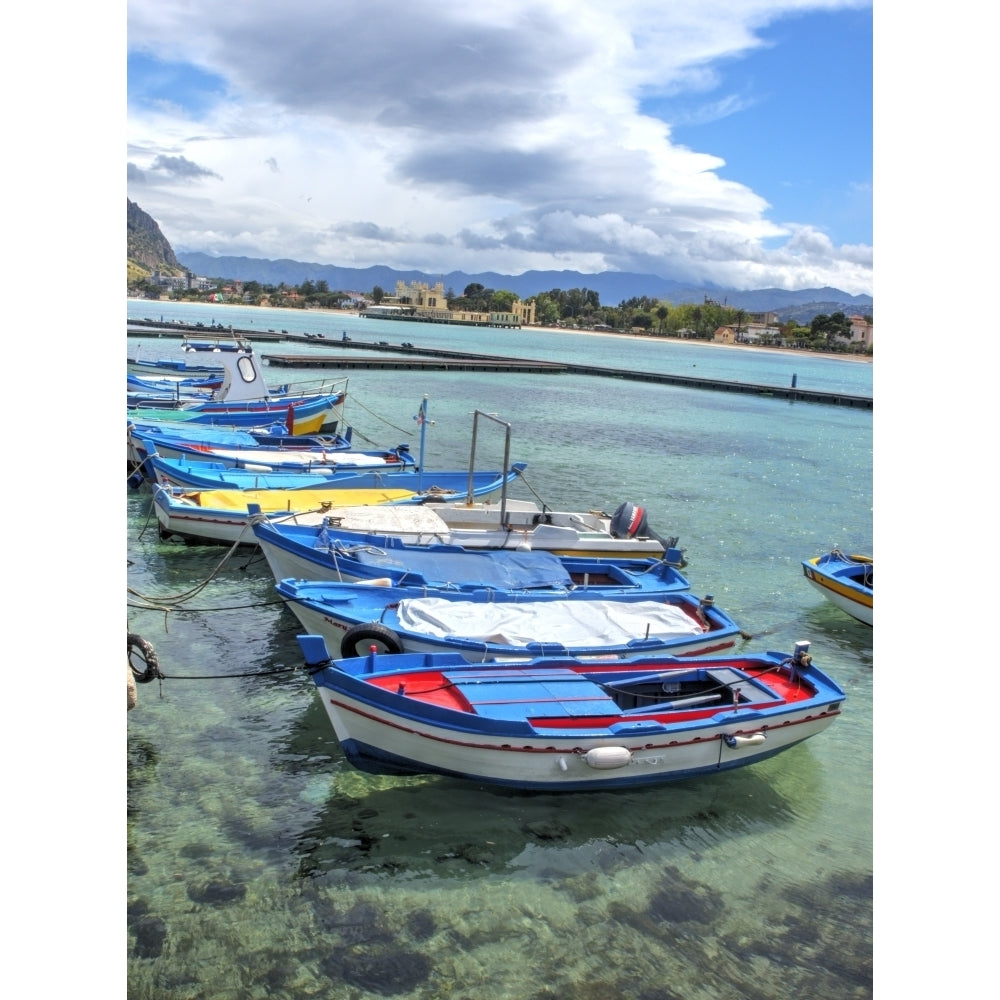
pixel 421 419
pixel 506 458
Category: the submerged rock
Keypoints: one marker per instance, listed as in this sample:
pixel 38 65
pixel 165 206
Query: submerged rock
pixel 150 936
pixel 386 972
pixel 216 891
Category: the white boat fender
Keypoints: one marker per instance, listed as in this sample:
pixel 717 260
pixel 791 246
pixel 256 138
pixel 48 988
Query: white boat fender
pixel 606 758
pixel 753 740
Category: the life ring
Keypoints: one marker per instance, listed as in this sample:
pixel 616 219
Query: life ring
pixel 358 640
pixel 144 649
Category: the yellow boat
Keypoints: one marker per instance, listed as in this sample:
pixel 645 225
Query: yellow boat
pixel 205 516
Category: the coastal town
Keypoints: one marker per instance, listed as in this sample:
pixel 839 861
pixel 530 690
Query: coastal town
pixel 424 303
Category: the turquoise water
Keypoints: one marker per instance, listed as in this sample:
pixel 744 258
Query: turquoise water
pixel 767 367
pixel 261 864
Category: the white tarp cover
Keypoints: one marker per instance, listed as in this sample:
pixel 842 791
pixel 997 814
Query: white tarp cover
pixel 307 459
pixel 570 623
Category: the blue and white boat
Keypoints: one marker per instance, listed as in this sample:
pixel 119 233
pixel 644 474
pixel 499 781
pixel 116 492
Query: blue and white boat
pixel 324 552
pixel 174 386
pixel 846 581
pixel 489 623
pixel 183 367
pixel 315 459
pixel 565 724
pixel 273 435
pixel 445 486
pixel 243 397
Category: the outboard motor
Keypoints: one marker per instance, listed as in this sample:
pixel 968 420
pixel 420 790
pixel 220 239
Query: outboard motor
pixel 629 521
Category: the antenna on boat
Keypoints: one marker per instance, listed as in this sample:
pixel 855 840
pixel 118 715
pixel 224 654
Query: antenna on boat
pixel 421 419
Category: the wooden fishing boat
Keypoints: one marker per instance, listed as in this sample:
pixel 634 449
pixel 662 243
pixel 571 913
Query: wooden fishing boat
pixel 301 415
pixel 564 724
pixel 267 458
pixel 161 366
pixel 447 485
pixel 220 517
pixel 243 397
pixel 846 581
pixel 273 435
pixel 327 553
pixel 174 386
pixel 488 623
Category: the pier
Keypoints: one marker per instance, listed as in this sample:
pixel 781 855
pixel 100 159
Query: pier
pixel 406 357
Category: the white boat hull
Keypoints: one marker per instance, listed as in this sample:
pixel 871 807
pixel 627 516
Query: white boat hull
pixel 475 526
pixel 380 739
pixel 857 610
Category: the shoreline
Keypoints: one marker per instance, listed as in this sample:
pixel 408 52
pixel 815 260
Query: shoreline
pixel 834 355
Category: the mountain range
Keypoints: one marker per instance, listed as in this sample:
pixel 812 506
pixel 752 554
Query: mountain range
pixel 148 249
pixel 611 286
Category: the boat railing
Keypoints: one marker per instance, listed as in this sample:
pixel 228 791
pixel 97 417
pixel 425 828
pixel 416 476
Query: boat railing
pixel 316 387
pixel 506 458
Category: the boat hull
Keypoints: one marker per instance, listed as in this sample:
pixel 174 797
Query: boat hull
pixel 380 745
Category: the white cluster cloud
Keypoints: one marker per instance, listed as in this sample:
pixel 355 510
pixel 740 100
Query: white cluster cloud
pixel 502 136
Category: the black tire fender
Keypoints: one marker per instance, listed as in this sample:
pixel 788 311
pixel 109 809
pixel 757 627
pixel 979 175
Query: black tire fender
pixel 359 638
pixel 143 650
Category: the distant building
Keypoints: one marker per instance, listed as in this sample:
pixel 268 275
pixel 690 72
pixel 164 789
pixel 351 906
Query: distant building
pixel 861 331
pixel 420 300
pixel 754 332
pixel 388 312
pixel 180 282
pixel 760 332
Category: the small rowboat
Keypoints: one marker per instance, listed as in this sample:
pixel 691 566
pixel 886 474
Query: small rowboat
pixel 565 724
pixel 846 581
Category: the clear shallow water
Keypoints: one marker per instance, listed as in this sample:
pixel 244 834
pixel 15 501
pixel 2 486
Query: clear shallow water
pixel 261 864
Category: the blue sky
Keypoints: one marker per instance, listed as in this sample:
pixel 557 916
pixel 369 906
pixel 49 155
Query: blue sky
pixel 719 140
pixel 800 138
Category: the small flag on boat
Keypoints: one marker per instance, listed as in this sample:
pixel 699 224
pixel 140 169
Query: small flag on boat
pixel 421 413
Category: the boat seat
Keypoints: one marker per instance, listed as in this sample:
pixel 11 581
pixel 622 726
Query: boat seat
pixel 518 698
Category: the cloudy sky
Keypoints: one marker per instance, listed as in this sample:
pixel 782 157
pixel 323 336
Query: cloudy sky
pixel 719 140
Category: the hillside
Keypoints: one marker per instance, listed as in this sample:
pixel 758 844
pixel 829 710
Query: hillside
pixel 148 248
